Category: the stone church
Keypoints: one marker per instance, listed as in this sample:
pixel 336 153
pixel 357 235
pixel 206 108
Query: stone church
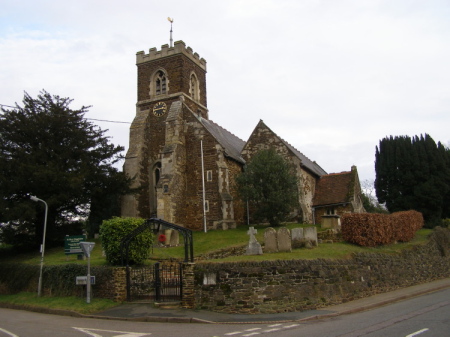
pixel 184 164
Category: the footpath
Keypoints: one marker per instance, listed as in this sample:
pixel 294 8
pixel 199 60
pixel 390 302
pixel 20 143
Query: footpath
pixel 150 313
pixel 146 312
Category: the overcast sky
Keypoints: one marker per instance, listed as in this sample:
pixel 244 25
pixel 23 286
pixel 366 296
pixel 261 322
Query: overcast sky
pixel 330 77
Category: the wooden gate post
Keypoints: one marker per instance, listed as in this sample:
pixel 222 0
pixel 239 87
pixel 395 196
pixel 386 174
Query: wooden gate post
pixel 188 290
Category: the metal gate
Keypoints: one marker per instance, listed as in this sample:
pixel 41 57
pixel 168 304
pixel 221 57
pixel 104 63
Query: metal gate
pixel 160 283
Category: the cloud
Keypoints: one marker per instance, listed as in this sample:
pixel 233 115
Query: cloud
pixel 330 77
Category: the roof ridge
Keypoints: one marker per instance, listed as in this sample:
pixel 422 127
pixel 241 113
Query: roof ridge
pixel 338 173
pixel 297 150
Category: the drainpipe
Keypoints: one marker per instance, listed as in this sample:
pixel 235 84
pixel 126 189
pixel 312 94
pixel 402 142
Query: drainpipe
pixel 203 186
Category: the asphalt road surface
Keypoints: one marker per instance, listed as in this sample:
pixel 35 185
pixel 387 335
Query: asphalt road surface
pixel 424 316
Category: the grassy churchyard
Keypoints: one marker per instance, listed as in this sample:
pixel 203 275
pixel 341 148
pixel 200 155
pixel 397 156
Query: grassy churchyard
pixel 205 243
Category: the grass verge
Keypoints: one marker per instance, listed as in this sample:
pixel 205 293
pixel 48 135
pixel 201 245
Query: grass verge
pixel 76 304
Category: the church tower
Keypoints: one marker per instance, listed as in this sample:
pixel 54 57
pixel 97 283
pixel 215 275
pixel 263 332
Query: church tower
pixel 170 83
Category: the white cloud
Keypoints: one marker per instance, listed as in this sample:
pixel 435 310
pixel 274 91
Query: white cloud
pixel 330 77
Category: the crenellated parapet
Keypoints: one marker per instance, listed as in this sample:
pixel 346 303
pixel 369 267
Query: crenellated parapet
pixel 178 48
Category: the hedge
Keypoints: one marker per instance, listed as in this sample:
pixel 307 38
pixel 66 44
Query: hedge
pixel 57 280
pixel 373 229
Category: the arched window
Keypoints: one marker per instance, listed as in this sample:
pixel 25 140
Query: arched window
pixel 156 173
pixel 160 81
pixel 194 89
pixel 156 176
pixel 159 84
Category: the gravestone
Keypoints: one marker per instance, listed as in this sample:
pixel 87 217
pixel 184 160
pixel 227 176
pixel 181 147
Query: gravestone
pixel 310 234
pixel 284 240
pixel 174 239
pixel 298 240
pixel 253 248
pixel 270 240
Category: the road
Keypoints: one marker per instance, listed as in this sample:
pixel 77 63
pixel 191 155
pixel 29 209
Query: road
pixel 424 316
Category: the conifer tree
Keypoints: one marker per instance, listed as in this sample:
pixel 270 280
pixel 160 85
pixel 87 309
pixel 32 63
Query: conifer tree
pixel 413 173
pixel 51 151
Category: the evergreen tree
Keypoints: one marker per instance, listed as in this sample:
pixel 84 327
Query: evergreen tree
pixel 53 152
pixel 413 174
pixel 269 186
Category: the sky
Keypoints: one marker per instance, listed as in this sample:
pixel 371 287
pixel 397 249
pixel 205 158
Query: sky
pixel 331 77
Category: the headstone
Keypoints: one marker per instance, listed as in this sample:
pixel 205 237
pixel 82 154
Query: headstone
pixel 310 234
pixel 298 240
pixel 270 240
pixel 174 239
pixel 284 240
pixel 253 248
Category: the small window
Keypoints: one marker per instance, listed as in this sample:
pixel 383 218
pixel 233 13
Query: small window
pixel 209 175
pixel 166 188
pixel 157 173
pixel 194 89
pixel 206 205
pixel 331 211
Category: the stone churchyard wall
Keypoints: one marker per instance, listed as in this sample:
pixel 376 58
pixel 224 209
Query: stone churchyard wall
pixel 296 285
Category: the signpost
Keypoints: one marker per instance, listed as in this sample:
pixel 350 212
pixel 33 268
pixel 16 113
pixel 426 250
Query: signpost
pixel 87 247
pixel 82 280
pixel 72 244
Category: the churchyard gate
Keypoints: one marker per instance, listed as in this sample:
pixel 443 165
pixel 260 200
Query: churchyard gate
pixel 161 282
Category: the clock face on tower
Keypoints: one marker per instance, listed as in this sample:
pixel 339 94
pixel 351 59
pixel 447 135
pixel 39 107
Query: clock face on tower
pixel 159 109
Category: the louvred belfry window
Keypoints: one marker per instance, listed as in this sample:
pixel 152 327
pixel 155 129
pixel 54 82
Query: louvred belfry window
pixel 161 85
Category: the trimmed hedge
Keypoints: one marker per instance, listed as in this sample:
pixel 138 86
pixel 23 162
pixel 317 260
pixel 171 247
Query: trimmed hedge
pixel 373 229
pixel 57 280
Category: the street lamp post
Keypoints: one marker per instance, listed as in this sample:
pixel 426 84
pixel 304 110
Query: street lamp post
pixel 34 198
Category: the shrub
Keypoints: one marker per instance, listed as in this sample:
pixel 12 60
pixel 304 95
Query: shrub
pixel 112 233
pixel 445 223
pixel 371 230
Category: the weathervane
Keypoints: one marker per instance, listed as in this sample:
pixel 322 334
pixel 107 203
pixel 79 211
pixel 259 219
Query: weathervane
pixel 171 21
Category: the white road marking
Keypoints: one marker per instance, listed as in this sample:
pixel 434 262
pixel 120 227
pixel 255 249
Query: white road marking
pixel 272 330
pixel 8 333
pixel 417 332
pixel 291 326
pixel 274 327
pixel 91 333
pixel 233 333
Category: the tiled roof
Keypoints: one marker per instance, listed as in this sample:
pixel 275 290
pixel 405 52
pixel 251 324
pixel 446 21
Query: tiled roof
pixel 231 143
pixel 311 165
pixel 334 188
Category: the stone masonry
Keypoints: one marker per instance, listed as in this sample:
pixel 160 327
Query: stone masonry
pixel 297 285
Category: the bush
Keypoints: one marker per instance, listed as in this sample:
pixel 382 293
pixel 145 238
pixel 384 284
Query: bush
pixel 57 280
pixel 112 233
pixel 371 230
pixel 445 223
pixel 16 277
